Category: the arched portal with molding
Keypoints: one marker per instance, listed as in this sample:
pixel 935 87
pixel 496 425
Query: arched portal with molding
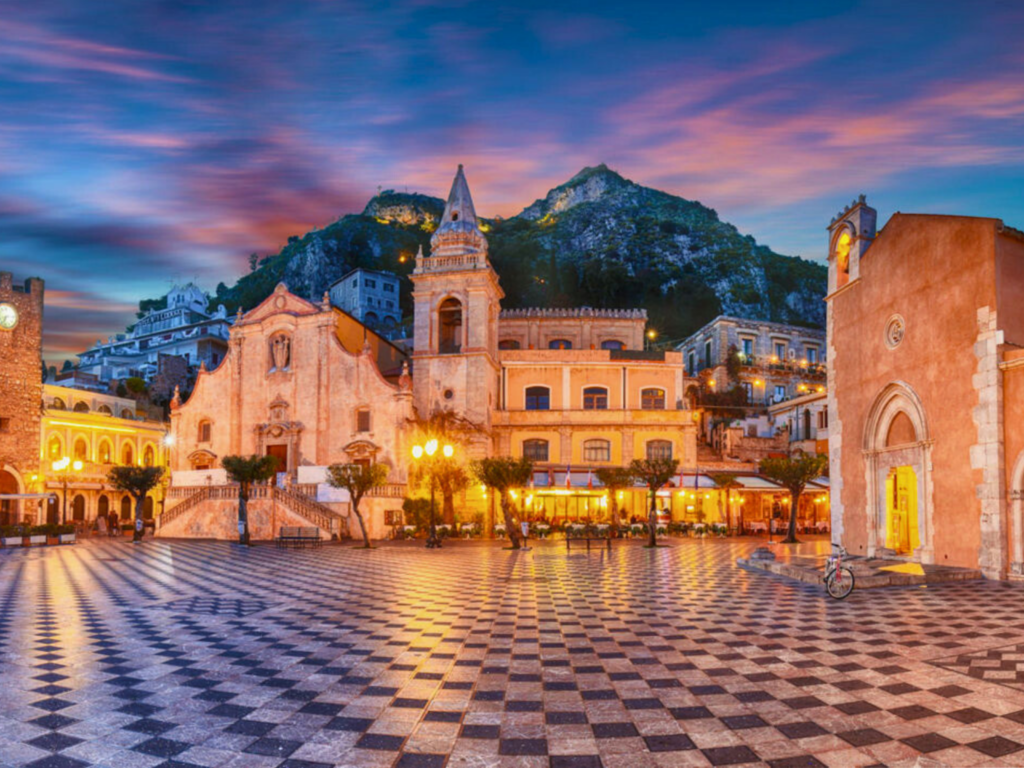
pixel 898 464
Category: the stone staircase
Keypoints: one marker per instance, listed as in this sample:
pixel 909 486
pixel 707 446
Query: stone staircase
pixel 297 503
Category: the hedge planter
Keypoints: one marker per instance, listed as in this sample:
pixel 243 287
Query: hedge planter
pixel 12 541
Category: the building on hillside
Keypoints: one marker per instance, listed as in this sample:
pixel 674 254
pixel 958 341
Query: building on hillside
pixel 370 296
pixel 775 361
pixel 100 431
pixel 926 388
pixel 804 420
pixel 185 329
pixel 560 329
pixel 21 353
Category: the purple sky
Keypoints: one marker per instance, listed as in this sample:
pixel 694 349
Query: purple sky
pixel 143 143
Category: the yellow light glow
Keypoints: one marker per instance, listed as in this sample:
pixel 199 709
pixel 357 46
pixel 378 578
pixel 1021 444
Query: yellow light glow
pixel 483 489
pixel 775 359
pixel 529 499
pixel 168 440
pixel 711 382
pixel 448 451
pixel 431 447
pixel 62 464
pixel 652 334
pixel 513 495
pixel 417 451
pixel 821 389
pixel 758 382
pixel 77 466
pixel 843 247
pixel 101 428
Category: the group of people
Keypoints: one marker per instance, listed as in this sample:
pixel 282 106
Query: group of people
pixel 108 524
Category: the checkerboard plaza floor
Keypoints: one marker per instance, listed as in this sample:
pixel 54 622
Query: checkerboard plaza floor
pixel 205 654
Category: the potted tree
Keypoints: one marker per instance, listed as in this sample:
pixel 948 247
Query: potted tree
pixel 246 470
pixel 12 535
pixel 36 536
pixel 66 534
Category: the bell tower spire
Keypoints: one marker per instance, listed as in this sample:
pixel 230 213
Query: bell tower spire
pixel 459 232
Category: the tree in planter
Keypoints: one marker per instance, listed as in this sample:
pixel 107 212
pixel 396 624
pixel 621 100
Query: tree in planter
pixel 447 427
pixel 653 473
pixel 726 483
pixel 615 479
pixel 246 470
pixel 793 473
pixel 358 480
pixel 501 474
pixel 137 482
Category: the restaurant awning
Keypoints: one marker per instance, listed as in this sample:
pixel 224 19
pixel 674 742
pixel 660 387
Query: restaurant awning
pixel 756 483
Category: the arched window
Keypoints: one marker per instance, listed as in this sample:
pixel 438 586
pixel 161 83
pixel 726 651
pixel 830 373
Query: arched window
pixel 509 344
pixel 538 399
pixel 659 449
pixel 105 410
pixel 597 450
pixel 595 399
pixel 535 450
pixel 559 344
pixel 126 508
pixel 127 414
pixel 449 316
pixel 103 507
pixel 54 448
pixel 147 508
pixel 127 455
pixel 204 431
pixel 148 456
pixel 58 404
pixel 81 407
pixel 652 399
pixel 105 452
pixel 81 450
pixel 612 344
pixel 78 507
pixel 371 319
pixel 363 420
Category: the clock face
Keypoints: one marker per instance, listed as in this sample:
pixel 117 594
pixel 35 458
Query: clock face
pixel 8 316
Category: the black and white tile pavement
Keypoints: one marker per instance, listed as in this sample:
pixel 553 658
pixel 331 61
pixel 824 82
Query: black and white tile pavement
pixel 179 654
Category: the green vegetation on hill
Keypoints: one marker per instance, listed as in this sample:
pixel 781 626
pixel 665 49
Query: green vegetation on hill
pixel 598 240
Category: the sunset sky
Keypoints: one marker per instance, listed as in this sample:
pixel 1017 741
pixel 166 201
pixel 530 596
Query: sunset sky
pixel 143 143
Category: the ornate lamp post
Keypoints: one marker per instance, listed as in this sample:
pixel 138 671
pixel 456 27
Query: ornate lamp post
pixel 427 453
pixel 62 466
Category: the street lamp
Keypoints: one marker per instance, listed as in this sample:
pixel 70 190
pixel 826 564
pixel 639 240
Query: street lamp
pixel 427 452
pixel 62 466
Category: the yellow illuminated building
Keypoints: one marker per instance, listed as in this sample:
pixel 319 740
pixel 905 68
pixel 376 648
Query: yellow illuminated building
pixel 83 434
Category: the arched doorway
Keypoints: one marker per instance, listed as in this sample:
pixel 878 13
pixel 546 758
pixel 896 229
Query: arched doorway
pixel 103 507
pixel 147 508
pixel 1017 515
pixel 126 508
pixel 897 451
pixel 78 507
pixel 8 507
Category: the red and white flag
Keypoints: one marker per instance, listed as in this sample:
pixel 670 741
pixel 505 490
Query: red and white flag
pixel 590 479
pixel 568 476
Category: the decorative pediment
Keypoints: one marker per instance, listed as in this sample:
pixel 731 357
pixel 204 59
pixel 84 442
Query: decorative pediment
pixel 278 428
pixel 280 302
pixel 201 456
pixel 361 449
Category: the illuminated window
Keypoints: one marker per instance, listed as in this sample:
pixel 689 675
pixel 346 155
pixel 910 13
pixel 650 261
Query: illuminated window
pixel 538 398
pixel 595 399
pixel 81 449
pixel 54 448
pixel 559 344
pixel 659 449
pixel 652 399
pixel 535 450
pixel 104 452
pixel 597 450
pixel 127 455
pixel 843 251
pixel 148 456
pixel 450 320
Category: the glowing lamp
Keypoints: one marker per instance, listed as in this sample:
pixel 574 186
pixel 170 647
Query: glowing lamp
pixel 77 466
pixel 417 451
pixel 448 451
pixel 431 447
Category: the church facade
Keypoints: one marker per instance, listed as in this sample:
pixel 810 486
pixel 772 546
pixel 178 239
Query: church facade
pixel 926 389
pixel 572 389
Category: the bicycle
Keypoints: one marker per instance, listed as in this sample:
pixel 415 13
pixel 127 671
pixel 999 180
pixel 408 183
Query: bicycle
pixel 838 577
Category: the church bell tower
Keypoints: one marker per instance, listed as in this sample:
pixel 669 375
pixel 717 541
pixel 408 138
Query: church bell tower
pixel 457 300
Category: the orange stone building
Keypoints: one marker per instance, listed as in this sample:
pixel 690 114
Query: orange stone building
pixel 926 388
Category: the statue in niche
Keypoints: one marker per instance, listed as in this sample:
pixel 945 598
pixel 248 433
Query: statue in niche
pixel 280 353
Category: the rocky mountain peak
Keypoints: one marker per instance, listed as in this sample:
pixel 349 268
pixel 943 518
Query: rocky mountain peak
pixel 589 185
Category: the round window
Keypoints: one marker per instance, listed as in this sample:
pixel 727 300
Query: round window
pixel 448 394
pixel 894 331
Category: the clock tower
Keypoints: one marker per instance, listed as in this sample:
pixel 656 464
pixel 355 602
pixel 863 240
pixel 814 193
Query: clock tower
pixel 21 382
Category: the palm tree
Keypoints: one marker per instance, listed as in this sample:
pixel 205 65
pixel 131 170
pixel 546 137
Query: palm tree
pixel 793 473
pixel 615 479
pixel 501 474
pixel 246 470
pixel 137 482
pixel 654 473
pixel 358 479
